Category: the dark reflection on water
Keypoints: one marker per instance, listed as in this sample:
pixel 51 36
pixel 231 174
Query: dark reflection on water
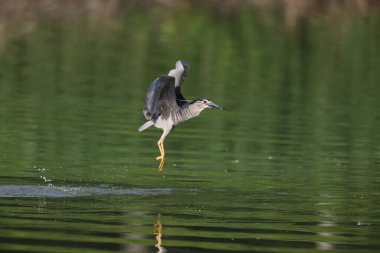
pixel 293 167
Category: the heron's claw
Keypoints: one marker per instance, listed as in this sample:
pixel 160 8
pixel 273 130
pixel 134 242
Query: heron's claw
pixel 161 165
pixel 159 158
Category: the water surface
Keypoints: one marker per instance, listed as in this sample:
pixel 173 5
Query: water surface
pixel 293 167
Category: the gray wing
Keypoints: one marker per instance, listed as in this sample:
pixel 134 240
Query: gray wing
pixel 185 73
pixel 179 73
pixel 160 97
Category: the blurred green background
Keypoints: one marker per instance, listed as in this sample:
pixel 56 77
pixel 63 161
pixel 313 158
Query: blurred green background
pixel 64 61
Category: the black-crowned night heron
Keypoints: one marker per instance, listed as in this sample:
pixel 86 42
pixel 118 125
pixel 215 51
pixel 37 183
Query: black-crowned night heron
pixel 165 107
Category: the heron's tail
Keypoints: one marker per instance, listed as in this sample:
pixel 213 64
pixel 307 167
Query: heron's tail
pixel 146 125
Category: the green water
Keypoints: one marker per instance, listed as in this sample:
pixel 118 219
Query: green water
pixel 293 167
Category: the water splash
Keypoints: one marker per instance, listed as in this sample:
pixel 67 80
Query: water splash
pixel 30 191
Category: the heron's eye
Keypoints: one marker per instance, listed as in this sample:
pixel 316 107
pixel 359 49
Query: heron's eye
pixel 205 101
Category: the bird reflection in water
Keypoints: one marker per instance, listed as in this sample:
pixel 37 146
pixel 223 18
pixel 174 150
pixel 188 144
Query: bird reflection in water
pixel 158 234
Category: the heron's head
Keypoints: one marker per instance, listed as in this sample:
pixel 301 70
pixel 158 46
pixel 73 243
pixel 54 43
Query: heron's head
pixel 203 103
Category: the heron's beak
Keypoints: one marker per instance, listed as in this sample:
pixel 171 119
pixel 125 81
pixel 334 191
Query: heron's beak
pixel 214 106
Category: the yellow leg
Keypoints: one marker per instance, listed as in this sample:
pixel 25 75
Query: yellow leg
pixel 162 156
pixel 160 148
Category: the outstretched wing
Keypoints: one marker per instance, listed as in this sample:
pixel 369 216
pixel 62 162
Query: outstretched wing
pixel 160 97
pixel 179 73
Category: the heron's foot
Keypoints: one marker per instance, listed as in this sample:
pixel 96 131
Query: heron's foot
pixel 161 164
pixel 159 157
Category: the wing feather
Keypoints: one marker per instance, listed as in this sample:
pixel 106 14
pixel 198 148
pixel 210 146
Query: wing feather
pixel 179 73
pixel 160 97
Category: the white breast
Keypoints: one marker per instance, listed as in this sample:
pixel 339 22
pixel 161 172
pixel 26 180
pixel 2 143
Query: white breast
pixel 164 124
